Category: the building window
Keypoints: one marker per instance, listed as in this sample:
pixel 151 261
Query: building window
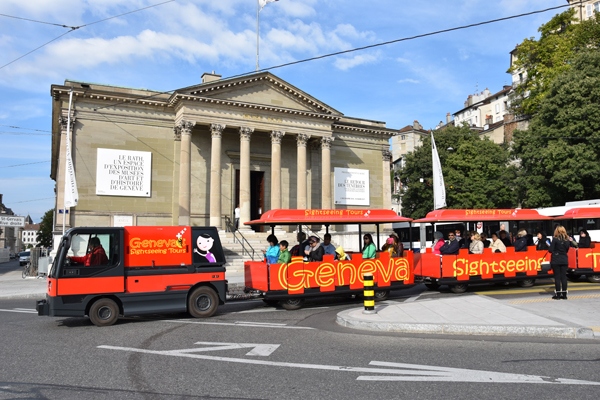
pixel 403 137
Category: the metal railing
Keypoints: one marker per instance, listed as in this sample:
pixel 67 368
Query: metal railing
pixel 241 239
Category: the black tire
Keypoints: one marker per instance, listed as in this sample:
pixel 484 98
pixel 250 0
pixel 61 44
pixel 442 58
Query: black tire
pixel 432 286
pixel 24 273
pixel 203 302
pixel 593 278
pixel 381 295
pixel 271 303
pixel 104 312
pixel 459 288
pixel 573 277
pixel 526 282
pixel 293 303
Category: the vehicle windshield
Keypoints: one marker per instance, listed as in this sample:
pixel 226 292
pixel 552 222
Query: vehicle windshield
pixel 24 254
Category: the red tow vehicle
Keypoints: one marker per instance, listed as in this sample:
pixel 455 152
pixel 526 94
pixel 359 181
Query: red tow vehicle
pixel 290 284
pixel 461 270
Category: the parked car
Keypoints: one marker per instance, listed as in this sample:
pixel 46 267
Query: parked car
pixel 24 257
pixel 12 255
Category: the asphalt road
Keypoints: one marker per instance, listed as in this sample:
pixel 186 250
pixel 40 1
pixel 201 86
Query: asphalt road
pixel 250 351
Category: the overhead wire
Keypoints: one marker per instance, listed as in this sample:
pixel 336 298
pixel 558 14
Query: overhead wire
pixel 361 48
pixel 73 28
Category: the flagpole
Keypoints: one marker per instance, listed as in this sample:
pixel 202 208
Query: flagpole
pixel 257 31
pixel 68 150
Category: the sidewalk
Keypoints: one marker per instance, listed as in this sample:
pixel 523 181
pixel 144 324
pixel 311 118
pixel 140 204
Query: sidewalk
pixel 473 314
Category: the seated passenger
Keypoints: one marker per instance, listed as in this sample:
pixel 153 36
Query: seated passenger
pixel 272 252
pixel 476 246
pixel 95 256
pixel 284 255
pixel 316 250
pixel 369 250
pixel 505 239
pixel 484 240
pixel 389 247
pixel 543 242
pixel 340 254
pixel 451 246
pixel 438 242
pixel 585 242
pixel 497 245
pixel 327 246
pixel 521 242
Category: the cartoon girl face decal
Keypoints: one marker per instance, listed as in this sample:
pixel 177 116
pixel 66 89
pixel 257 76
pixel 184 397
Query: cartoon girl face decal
pixel 204 243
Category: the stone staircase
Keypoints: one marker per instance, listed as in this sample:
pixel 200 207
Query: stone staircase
pixel 255 241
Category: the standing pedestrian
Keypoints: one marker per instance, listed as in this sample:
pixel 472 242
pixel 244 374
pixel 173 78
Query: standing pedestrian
pixel 236 217
pixel 559 248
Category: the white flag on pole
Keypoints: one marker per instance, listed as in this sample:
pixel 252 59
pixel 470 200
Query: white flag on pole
pixel 71 193
pixel 263 3
pixel 439 190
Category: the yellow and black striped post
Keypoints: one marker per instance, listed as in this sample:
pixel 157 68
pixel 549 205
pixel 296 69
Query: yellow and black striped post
pixel 369 294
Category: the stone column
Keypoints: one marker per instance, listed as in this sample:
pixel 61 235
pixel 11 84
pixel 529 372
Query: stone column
pixel 276 169
pixel 60 177
pixel 386 186
pixel 301 139
pixel 216 130
pixel 245 134
pixel 326 172
pixel 185 130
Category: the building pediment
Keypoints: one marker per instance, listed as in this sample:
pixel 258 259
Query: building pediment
pixel 261 89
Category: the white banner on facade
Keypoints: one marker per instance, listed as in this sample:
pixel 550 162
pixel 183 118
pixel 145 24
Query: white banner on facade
pixel 123 173
pixel 351 187
pixel 12 221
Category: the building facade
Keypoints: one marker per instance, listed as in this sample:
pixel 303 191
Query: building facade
pixel 29 235
pixel 585 9
pixel 190 156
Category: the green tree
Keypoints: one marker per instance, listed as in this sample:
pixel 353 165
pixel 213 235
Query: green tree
pixel 476 173
pixel 44 236
pixel 560 152
pixel 541 61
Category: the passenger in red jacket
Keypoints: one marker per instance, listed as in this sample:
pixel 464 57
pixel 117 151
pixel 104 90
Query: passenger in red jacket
pixel 96 255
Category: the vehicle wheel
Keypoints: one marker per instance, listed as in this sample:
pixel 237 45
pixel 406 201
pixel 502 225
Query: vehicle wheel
pixel 573 277
pixel 24 273
pixel 292 304
pixel 381 295
pixel 593 278
pixel 432 286
pixel 203 302
pixel 271 303
pixel 104 312
pixel 526 282
pixel 459 288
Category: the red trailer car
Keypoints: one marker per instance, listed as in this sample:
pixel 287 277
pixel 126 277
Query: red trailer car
pixel 289 284
pixel 458 271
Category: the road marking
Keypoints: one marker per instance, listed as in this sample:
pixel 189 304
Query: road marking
pixel 399 372
pixel 258 310
pixel 244 324
pixel 263 350
pixel 20 310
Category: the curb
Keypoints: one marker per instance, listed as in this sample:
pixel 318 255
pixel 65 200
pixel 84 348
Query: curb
pixel 344 319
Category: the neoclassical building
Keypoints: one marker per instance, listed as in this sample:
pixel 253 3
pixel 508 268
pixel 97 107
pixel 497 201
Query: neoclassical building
pixel 144 157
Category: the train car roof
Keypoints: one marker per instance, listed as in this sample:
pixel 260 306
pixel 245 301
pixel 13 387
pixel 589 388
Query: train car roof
pixel 480 215
pixel 328 217
pixel 581 213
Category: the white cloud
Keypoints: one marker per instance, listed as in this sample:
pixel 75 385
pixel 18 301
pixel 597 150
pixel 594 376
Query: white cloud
pixel 345 63
pixel 409 80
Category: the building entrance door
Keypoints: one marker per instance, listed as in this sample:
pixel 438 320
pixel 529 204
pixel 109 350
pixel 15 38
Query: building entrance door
pixel 257 194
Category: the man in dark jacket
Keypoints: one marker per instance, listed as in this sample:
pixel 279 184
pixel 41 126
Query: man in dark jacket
pixel 451 246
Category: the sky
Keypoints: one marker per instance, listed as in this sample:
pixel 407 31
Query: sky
pixel 166 45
